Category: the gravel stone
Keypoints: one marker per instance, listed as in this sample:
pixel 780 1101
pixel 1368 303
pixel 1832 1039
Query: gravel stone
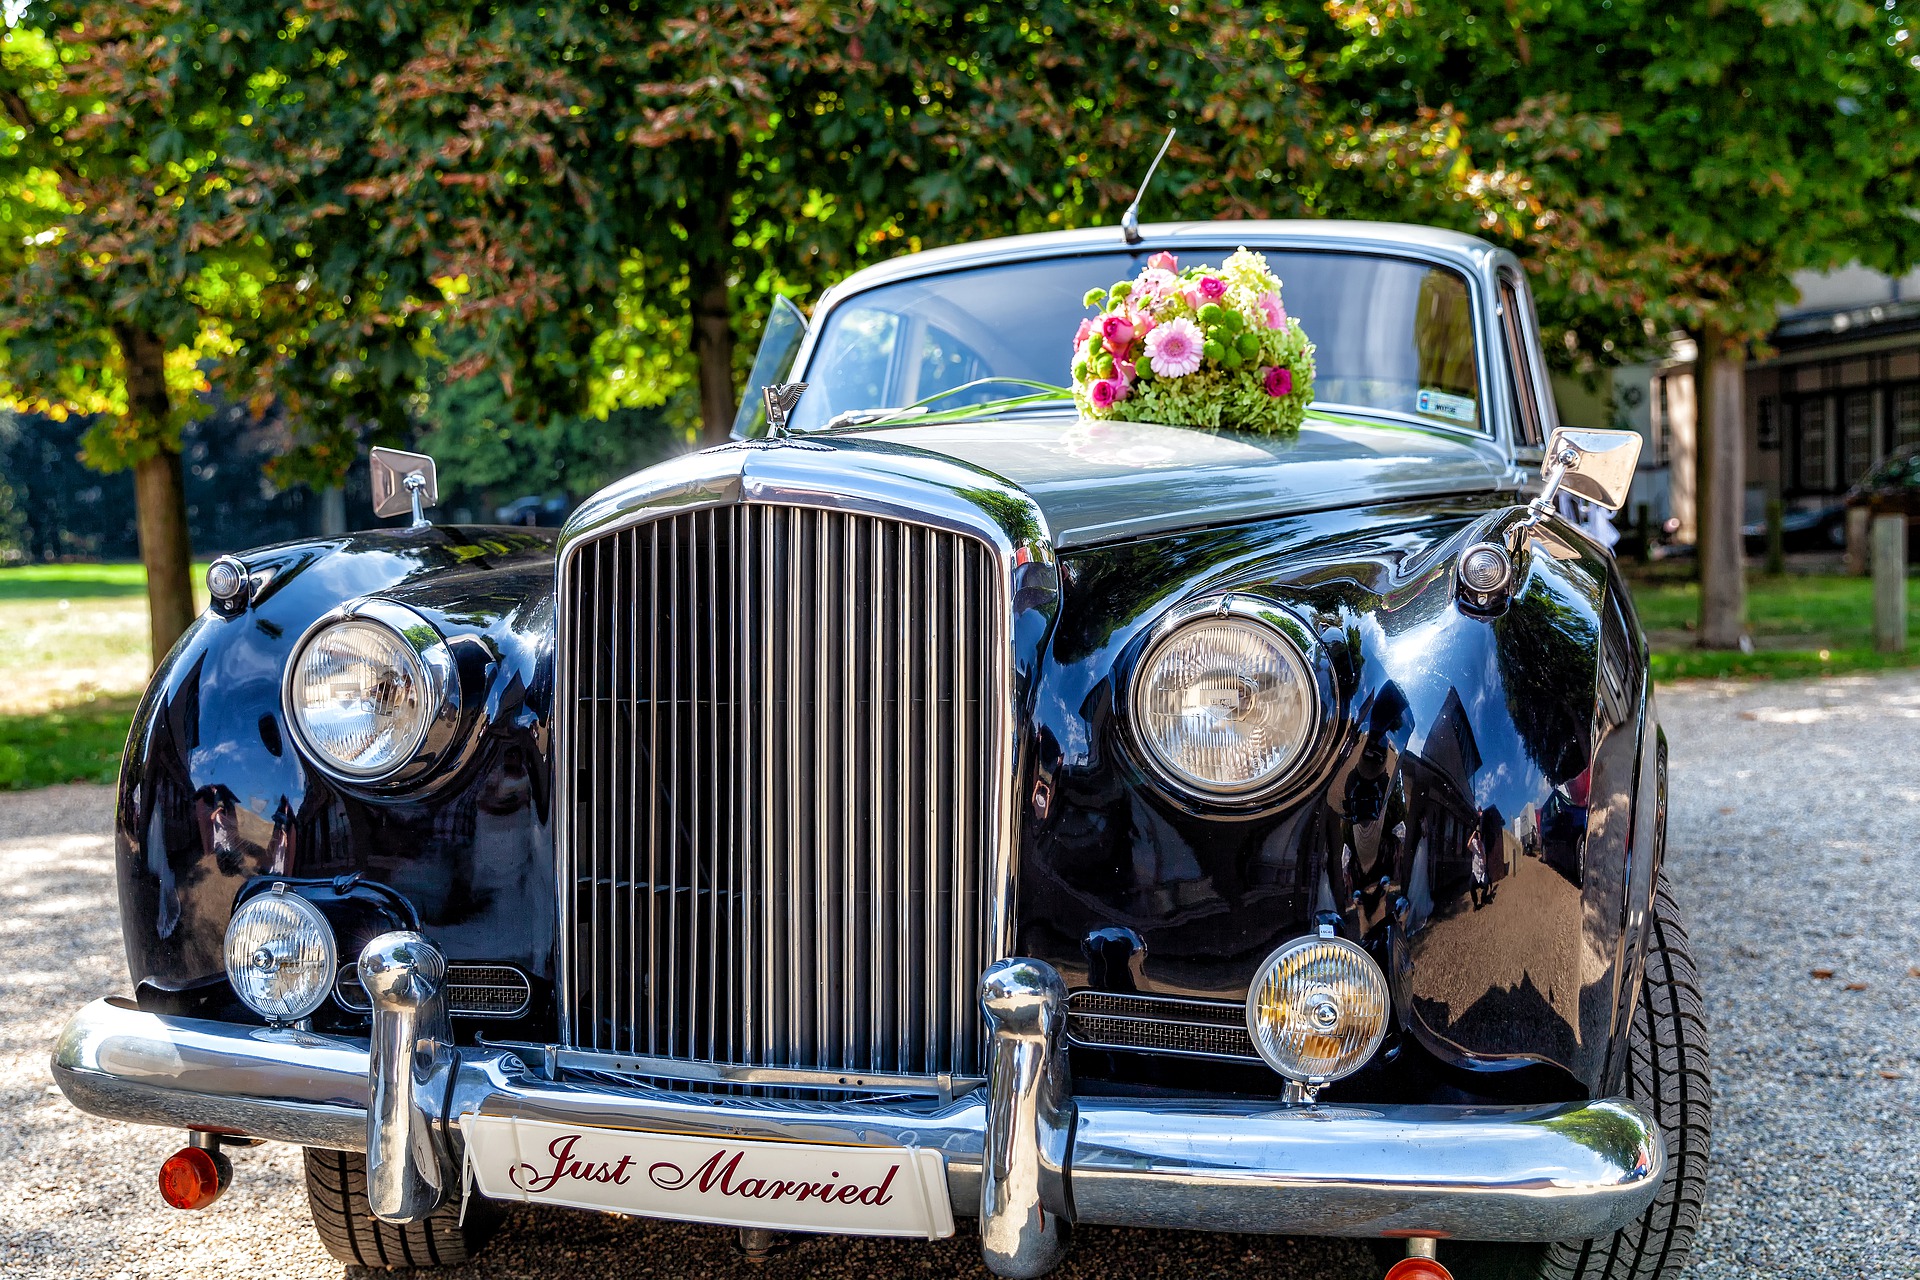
pixel 1791 849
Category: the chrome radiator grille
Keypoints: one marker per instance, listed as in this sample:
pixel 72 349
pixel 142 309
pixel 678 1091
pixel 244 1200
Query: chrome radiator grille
pixel 781 732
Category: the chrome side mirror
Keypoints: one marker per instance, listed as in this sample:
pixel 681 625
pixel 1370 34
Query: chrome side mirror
pixel 403 482
pixel 1595 465
pixel 1590 464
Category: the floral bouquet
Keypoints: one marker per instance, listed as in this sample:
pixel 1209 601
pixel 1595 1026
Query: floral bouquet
pixel 1195 348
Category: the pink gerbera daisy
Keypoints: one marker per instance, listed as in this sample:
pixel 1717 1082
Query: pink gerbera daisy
pixel 1173 349
pixel 1271 308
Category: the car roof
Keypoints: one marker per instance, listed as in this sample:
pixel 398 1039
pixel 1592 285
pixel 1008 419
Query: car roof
pixel 1467 253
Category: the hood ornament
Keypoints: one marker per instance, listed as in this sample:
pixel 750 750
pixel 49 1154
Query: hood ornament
pixel 781 397
pixel 1130 220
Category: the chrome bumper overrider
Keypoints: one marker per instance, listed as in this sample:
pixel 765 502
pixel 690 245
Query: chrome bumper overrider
pixel 1022 1153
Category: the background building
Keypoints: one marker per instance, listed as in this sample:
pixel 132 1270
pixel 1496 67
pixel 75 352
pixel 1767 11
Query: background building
pixel 1841 391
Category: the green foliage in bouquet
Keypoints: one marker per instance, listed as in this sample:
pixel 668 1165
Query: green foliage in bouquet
pixel 1205 347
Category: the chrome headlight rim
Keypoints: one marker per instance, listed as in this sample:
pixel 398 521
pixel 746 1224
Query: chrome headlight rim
pixel 1296 637
pixel 432 655
pixel 280 894
pixel 1285 952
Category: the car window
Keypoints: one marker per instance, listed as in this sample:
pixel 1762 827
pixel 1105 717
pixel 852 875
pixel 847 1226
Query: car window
pixel 1389 334
pixel 1528 420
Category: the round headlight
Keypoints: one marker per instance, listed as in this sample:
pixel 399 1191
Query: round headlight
pixel 361 698
pixel 281 955
pixel 1225 703
pixel 1318 1009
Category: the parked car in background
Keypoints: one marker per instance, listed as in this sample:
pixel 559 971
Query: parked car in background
pixel 1819 528
pixel 535 511
pixel 885 818
pixel 1892 487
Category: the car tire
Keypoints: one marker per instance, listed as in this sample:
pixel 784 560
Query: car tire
pixel 337 1197
pixel 1667 1074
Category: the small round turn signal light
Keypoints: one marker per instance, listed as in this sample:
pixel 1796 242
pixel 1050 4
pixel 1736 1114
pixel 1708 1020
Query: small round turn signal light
pixel 194 1177
pixel 228 583
pixel 1418 1269
pixel 1485 568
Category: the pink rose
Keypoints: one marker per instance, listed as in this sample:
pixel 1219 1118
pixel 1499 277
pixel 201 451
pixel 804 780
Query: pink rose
pixel 1163 261
pixel 1193 298
pixel 1124 371
pixel 1213 288
pixel 1155 282
pixel 1118 331
pixel 1279 381
pixel 1080 337
pixel 1103 393
pixel 1275 313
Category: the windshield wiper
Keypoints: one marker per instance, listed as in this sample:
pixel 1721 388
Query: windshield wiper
pixel 862 417
pixel 1040 393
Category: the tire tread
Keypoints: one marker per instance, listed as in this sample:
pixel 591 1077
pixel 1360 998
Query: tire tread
pixel 337 1199
pixel 1667 1071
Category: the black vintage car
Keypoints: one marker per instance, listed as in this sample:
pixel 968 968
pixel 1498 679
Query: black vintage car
pixel 891 817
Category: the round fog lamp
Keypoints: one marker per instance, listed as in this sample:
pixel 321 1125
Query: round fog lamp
pixel 1318 1009
pixel 281 955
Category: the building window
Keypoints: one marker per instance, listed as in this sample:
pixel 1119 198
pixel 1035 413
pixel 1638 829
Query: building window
pixel 1906 415
pixel 1811 457
pixel 1857 416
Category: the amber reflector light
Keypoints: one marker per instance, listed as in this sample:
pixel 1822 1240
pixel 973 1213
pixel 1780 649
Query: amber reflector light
pixel 191 1178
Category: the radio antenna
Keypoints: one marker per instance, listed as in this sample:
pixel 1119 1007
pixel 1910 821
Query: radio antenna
pixel 1130 220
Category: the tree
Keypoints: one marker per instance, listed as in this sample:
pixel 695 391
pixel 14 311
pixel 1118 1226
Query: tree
pixel 1681 161
pixel 101 266
pixel 538 176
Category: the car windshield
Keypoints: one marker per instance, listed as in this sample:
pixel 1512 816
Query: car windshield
pixel 1388 334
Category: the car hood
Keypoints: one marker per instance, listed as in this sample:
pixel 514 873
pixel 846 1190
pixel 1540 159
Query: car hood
pixel 1098 481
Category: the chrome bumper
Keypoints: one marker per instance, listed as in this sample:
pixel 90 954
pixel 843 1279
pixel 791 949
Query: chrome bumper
pixel 1022 1153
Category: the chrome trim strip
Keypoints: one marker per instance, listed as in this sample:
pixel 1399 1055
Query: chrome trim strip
pixel 943 1085
pixel 1572 1171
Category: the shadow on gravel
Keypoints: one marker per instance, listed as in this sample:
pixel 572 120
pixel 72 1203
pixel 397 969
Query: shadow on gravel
pixel 552 1243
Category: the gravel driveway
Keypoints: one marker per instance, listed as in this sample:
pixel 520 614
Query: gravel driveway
pixel 1794 815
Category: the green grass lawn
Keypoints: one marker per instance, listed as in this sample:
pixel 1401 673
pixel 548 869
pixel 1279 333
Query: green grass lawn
pixel 80 581
pixel 1802 624
pixel 73 653
pixel 73 660
pixel 80 742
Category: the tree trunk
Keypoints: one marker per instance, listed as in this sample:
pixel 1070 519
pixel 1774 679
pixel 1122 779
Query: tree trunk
pixel 713 349
pixel 159 493
pixel 1721 430
pixel 710 261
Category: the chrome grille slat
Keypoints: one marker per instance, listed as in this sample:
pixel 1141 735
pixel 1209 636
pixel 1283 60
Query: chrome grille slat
pixel 783 730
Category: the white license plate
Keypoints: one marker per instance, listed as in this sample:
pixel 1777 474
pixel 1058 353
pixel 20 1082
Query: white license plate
pixel 867 1191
